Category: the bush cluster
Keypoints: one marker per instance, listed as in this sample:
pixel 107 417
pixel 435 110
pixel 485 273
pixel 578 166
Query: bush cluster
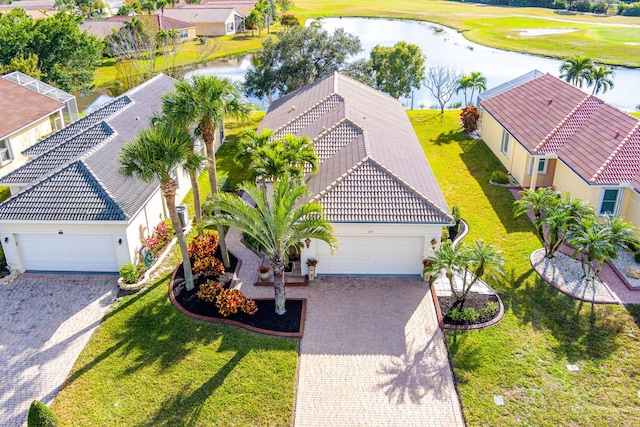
pixel 160 237
pixel 499 177
pixel 632 9
pixel 202 253
pixel 40 415
pixel 469 118
pixel 129 273
pixel 468 314
pixel 227 301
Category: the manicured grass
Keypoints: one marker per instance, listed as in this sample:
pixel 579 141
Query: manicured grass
pixel 523 358
pixel 5 193
pixel 500 27
pixel 149 365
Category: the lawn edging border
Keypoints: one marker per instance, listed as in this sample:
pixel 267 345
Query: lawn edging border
pixel 465 327
pixel 210 319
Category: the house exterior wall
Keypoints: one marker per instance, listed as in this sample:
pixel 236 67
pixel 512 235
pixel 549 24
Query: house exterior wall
pixel 211 28
pixel 23 139
pixel 630 209
pixel 433 231
pixel 567 181
pixel 191 33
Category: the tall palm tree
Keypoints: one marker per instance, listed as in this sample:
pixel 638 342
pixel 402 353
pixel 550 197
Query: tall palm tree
pixel 249 145
pixel 602 79
pixel 276 225
pixel 194 165
pixel 207 100
pixel 154 154
pixel 576 70
pixel 477 81
pixel 555 221
pixel 464 83
pixel 538 201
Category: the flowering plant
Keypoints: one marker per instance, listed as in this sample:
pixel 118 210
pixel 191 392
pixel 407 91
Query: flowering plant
pixel 264 269
pixel 312 262
pixel 427 263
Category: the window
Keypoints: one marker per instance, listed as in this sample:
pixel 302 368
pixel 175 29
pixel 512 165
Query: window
pixel 5 155
pixel 184 34
pixel 542 166
pixel 609 201
pixel 504 145
pixel 230 27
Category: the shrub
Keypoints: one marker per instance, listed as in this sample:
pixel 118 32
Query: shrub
pixel 558 4
pixel 637 257
pixel 490 310
pixel 209 291
pixel 40 415
pixel 160 237
pixel 202 251
pixel 499 177
pixel 289 20
pixel 632 9
pixel 129 273
pixel 445 234
pixel 230 301
pixel 224 183
pixel 600 6
pixel 468 314
pixel 469 118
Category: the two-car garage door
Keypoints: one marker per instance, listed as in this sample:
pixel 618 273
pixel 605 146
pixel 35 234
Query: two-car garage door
pixel 67 252
pixel 392 255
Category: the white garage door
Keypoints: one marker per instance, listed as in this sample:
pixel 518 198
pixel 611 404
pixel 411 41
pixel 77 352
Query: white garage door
pixel 67 252
pixel 395 255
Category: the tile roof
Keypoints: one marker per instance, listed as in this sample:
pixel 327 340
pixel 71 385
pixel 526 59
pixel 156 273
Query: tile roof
pixel 200 14
pixel 88 186
pixel 21 106
pixel 73 194
pixel 549 116
pixel 60 155
pixel 372 167
pixel 103 113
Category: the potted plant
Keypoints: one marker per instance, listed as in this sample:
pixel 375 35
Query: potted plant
pixel 311 263
pixel 264 272
pixel 426 275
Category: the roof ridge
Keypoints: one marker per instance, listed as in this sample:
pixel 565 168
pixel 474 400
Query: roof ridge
pixel 333 127
pixel 615 152
pixel 559 126
pixel 339 179
pixel 410 187
pixel 302 114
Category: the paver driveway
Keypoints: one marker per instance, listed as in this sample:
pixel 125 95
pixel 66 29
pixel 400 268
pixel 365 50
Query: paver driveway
pixel 372 355
pixel 45 322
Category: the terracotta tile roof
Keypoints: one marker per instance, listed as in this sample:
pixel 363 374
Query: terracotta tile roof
pixel 102 27
pixel 200 14
pixel 20 106
pixel 549 116
pixel 372 168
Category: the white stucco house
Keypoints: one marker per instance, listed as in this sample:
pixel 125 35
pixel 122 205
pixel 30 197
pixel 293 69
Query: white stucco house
pixel 70 209
pixel 374 181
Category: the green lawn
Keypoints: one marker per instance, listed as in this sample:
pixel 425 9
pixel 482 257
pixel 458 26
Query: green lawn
pixel 523 358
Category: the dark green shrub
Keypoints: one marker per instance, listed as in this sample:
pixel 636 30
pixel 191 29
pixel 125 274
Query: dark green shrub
pixel 637 257
pixel 558 4
pixel 600 7
pixel 632 9
pixel 490 310
pixel 468 314
pixel 499 177
pixel 129 273
pixel 40 415
pixel 445 234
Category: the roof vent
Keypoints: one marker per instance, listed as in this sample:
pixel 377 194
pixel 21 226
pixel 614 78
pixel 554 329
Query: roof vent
pixel 137 117
pixel 292 108
pixel 549 101
pixel 617 134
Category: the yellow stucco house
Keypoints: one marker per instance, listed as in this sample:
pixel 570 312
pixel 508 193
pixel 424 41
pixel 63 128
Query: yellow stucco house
pixel 547 132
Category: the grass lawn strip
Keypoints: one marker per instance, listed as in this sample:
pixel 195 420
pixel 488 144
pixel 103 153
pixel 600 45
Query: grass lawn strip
pixel 524 357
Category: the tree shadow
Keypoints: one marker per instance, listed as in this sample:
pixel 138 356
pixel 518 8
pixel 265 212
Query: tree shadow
pixel 481 162
pixel 445 138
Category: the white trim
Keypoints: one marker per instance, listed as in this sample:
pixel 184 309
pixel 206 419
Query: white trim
pixel 540 159
pixel 506 138
pixel 617 204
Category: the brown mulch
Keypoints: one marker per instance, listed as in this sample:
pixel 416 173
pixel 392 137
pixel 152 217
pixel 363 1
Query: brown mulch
pixel 474 300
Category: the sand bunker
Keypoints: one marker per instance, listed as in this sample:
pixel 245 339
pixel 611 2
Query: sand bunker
pixel 546 31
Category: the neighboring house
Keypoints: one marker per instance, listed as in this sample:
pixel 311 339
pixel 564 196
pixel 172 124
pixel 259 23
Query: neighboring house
pixel 209 21
pixel 35 8
pixel 104 27
pixel 547 132
pixel 243 7
pixel 25 117
pixel 374 181
pixel 71 210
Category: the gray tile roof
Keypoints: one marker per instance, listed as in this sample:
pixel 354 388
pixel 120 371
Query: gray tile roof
pixel 372 168
pixel 103 113
pixel 93 189
pixel 72 194
pixel 60 155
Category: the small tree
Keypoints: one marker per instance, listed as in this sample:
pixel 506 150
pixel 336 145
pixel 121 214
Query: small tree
pixel 442 82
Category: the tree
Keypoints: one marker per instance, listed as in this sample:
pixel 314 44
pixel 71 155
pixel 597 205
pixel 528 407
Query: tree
pixel 267 11
pixel 206 100
pixel 284 157
pixel 601 78
pixel 477 81
pixel 285 5
pixel 155 154
pixel 576 70
pixel 593 241
pixel 255 20
pixel 40 415
pixel 67 57
pixel 288 20
pixel 538 201
pixel 442 81
pixel 276 225
pixel 467 264
pixel 28 66
pixel 464 84
pixel 398 69
pixel 249 145
pixel 297 58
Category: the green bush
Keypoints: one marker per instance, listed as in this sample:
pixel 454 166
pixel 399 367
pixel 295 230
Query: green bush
pixel 40 415
pixel 632 9
pixel 637 257
pixel 129 273
pixel 468 314
pixel 499 177
pixel 445 234
pixel 490 310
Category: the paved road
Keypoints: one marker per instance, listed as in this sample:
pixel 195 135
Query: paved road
pixel 45 322
pixel 372 355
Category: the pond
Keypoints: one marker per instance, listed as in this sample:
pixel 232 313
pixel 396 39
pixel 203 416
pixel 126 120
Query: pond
pixel 443 45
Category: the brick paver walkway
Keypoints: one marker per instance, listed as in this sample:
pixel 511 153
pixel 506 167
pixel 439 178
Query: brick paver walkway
pixel 45 322
pixel 372 355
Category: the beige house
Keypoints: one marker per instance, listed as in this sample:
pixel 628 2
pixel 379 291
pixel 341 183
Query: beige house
pixel 209 21
pixel 25 117
pixel 547 132
pixel 104 27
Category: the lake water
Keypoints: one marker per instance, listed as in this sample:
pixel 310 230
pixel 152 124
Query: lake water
pixel 443 45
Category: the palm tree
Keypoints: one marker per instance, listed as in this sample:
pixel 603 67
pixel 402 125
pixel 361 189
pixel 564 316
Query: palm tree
pixel 155 154
pixel 538 201
pixel 277 225
pixel 249 145
pixel 622 233
pixel 206 100
pixel 593 240
pixel 468 264
pixel 555 221
pixel 271 162
pixel 477 81
pixel 194 165
pixel 576 70
pixel 602 79
pixel 464 83
pixel 301 153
